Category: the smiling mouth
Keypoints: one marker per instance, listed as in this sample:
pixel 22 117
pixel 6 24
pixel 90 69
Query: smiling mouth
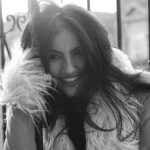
pixel 70 81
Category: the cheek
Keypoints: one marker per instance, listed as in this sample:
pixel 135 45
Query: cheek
pixel 55 69
pixel 81 63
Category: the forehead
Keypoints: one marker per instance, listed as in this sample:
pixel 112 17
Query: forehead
pixel 65 39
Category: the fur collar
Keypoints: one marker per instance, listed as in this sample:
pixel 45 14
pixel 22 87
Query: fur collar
pixel 22 84
pixel 95 139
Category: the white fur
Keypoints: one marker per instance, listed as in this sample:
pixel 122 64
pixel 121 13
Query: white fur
pixel 98 140
pixel 121 60
pixel 22 84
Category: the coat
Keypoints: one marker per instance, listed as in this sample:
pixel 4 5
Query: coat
pixel 22 84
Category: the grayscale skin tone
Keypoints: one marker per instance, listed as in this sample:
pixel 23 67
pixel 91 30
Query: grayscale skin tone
pixel 66 62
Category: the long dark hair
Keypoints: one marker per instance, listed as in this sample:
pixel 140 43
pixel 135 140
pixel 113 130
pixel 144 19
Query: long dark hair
pixel 102 75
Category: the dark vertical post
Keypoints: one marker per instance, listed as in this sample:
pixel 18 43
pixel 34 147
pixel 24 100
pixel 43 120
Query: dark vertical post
pixel 1 66
pixel 2 37
pixel 88 5
pixel 149 29
pixel 119 28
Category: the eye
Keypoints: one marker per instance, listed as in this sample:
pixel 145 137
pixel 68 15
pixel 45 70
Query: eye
pixel 35 56
pixel 54 56
pixel 78 52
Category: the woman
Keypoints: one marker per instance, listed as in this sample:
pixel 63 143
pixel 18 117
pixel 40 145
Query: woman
pixel 70 89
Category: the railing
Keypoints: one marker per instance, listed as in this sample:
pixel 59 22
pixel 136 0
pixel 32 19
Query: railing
pixel 22 19
pixel 149 32
pixel 15 22
pixel 1 63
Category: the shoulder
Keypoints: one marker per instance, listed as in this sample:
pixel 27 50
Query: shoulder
pixel 122 61
pixel 145 77
pixel 145 124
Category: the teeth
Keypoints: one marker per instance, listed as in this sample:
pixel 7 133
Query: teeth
pixel 70 79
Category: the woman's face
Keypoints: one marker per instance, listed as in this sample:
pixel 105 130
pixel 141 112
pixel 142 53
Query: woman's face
pixel 66 62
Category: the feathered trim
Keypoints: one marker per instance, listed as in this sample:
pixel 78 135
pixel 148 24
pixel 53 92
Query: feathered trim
pixel 121 61
pixel 95 139
pixel 23 85
pixel 103 118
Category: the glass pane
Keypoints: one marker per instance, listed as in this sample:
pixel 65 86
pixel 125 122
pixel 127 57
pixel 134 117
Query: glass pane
pixel 58 2
pixel 14 18
pixel 108 6
pixel 82 3
pixel 135 37
pixel 105 10
pixel 14 7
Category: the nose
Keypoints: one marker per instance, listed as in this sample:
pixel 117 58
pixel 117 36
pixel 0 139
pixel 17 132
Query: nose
pixel 69 65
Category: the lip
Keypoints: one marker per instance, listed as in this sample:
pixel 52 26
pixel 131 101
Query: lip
pixel 70 81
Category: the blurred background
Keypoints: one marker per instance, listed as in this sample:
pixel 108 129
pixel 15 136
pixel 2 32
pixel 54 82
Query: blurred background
pixel 127 22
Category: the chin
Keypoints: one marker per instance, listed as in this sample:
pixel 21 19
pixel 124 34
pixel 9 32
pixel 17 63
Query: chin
pixel 70 93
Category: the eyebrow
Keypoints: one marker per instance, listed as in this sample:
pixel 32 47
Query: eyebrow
pixel 59 52
pixel 55 51
pixel 76 48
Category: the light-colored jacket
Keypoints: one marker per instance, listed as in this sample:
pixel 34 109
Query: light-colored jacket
pixel 22 84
